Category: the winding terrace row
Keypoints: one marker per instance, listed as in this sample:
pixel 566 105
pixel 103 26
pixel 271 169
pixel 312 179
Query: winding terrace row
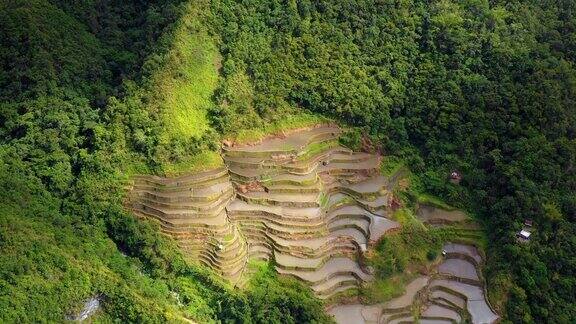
pixel 302 200
pixel 453 294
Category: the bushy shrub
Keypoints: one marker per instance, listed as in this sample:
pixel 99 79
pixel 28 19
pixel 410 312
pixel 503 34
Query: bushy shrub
pixel 352 139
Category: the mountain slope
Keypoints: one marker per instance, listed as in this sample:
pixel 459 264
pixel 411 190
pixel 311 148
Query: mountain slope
pixel 94 91
pixel 74 119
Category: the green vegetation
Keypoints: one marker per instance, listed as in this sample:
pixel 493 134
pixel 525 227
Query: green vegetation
pixel 427 199
pixel 246 136
pixel 408 247
pixel 399 257
pixel 407 218
pixel 352 139
pixel 280 125
pixel 282 299
pixel 85 103
pixel 391 164
pixel 483 87
pixel 385 289
pixel 203 161
pixel 57 253
pixel 188 76
pixel 317 149
pixel 323 200
pixel 91 91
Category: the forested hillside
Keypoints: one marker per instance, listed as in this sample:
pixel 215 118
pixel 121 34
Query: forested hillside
pixel 79 113
pixel 483 87
pixel 94 91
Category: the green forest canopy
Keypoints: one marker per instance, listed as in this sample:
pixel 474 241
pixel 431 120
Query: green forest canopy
pixel 93 91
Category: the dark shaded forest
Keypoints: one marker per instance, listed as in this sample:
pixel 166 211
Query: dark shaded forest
pixel 487 88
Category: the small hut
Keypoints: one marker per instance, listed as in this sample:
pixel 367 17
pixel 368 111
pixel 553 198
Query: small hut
pixel 455 177
pixel 524 234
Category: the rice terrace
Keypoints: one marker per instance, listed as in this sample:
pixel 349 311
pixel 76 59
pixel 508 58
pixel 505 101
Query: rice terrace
pixel 314 208
pixel 288 161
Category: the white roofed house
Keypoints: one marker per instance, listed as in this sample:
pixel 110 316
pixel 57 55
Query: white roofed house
pixel 524 234
pixel 526 231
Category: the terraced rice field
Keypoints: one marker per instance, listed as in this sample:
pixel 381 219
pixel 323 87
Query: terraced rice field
pixel 433 215
pixel 313 212
pixel 452 294
pixel 311 208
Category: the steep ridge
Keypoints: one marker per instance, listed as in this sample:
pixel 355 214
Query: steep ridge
pixel 301 200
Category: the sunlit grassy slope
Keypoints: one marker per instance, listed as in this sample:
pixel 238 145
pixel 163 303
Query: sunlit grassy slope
pixel 189 78
pixel 285 123
pixel 196 163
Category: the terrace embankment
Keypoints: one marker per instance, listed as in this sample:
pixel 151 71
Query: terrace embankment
pixel 314 208
pixel 302 200
pixel 192 210
pixel 451 291
pixel 454 293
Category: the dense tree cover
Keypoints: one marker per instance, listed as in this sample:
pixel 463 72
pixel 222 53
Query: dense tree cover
pixel 279 299
pixel 77 48
pixel 484 87
pixel 75 119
